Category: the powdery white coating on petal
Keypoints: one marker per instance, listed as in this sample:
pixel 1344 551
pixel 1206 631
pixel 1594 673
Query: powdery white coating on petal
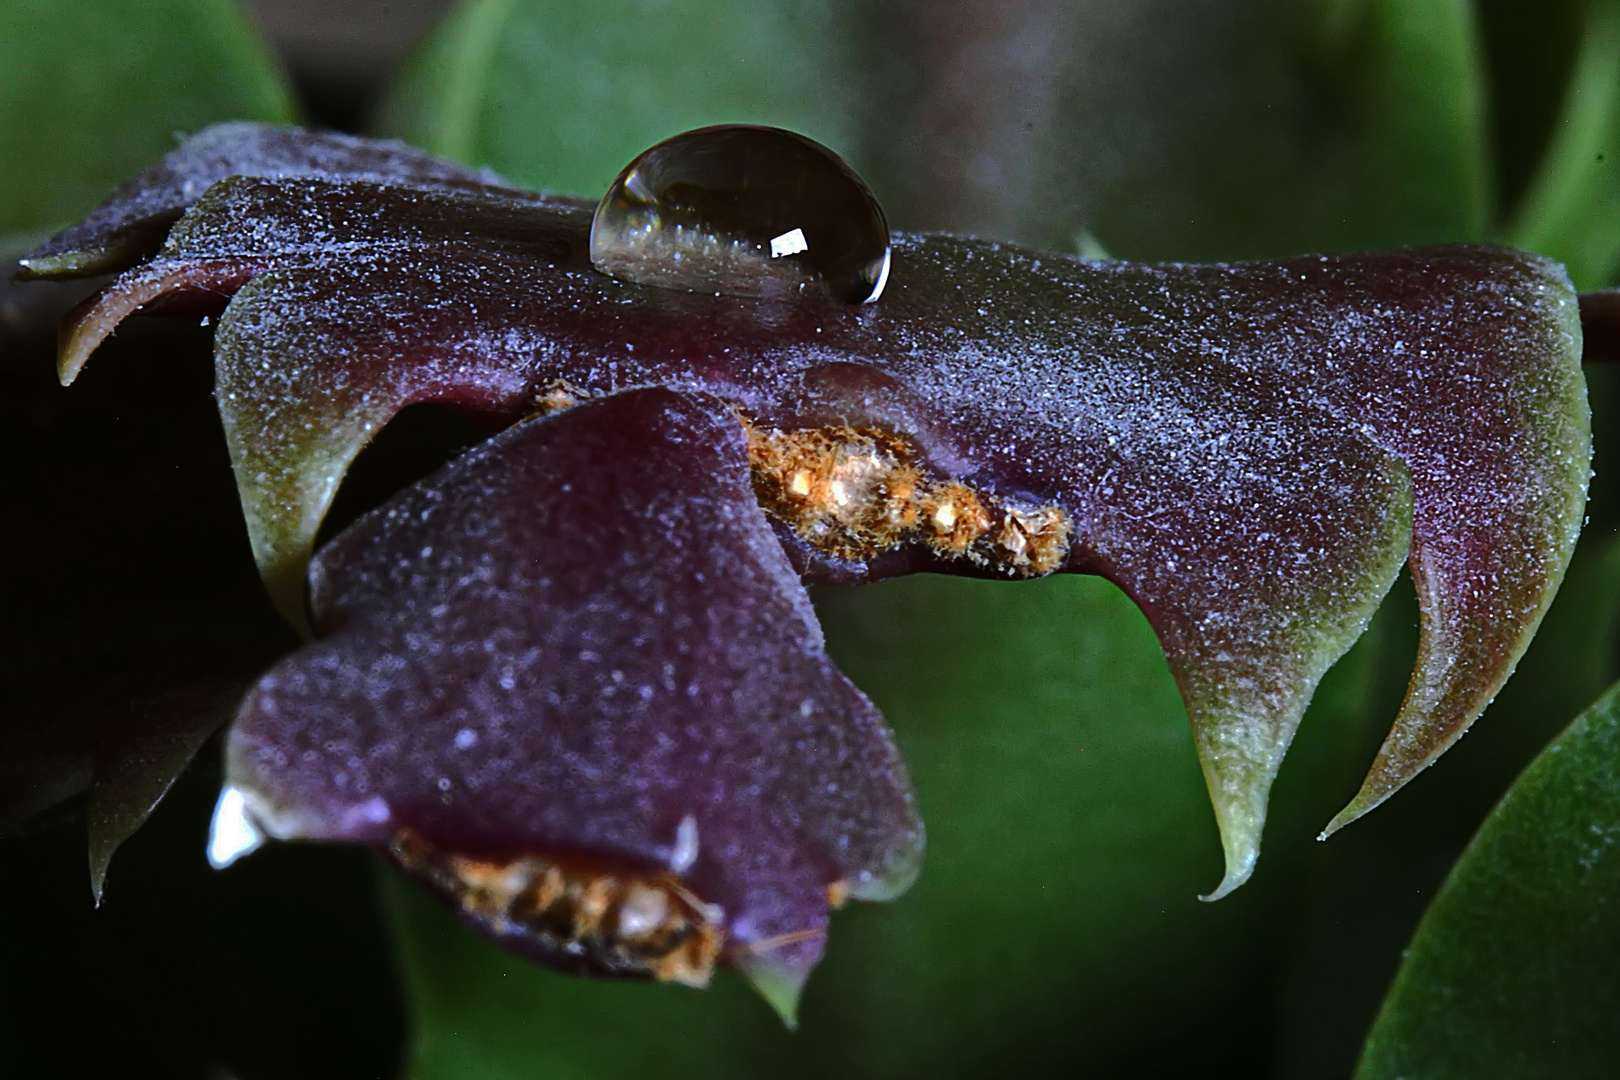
pixel 1240 447
pixel 599 599
pixel 131 223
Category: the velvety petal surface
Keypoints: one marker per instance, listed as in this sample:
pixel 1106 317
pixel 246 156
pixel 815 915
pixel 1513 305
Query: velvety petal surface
pixel 1246 449
pixel 134 220
pixel 1249 620
pixel 582 642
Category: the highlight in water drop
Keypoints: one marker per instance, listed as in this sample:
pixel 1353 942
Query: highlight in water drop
pixel 744 210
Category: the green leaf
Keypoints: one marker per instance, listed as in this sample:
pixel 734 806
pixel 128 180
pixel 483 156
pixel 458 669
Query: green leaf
pixel 1187 131
pixel 1327 125
pixel 1572 210
pixel 1529 52
pixel 1372 882
pixel 92 91
pixel 1512 970
pixel 1068 835
pixel 560 96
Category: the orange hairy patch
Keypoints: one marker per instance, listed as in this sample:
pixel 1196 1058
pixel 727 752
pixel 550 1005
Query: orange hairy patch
pixel 854 492
pixel 556 397
pixel 605 922
pixel 1033 541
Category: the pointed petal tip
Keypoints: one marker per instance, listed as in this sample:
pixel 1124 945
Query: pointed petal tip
pixel 76 262
pixel 40 267
pixel 100 858
pixel 68 368
pixel 781 985
pixel 79 338
pixel 101 853
pixel 1239 868
pixel 232 833
pixel 85 327
pixel 1368 799
pixel 1240 815
pixel 1340 820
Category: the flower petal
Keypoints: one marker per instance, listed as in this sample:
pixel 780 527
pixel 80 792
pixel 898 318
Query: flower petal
pixel 131 224
pixel 580 647
pixel 1236 445
pixel 139 760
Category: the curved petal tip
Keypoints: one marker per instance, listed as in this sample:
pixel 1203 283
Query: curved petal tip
pixel 780 983
pixel 1240 840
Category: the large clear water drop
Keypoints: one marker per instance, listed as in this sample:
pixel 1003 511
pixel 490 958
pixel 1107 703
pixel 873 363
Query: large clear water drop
pixel 744 210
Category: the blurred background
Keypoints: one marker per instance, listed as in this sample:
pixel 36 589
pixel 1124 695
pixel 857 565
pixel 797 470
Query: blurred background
pixel 339 53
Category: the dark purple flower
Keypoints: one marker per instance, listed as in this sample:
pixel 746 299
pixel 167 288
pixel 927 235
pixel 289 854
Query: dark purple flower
pixel 578 659
pixel 604 602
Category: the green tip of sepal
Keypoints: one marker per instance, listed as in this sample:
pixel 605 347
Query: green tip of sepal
pixel 1238 796
pixel 286 487
pixel 1246 689
pixel 781 984
pixel 898 874
pixel 150 746
pixel 291 440
pixel 1240 841
pixel 83 262
pixel 1367 799
pixel 283 516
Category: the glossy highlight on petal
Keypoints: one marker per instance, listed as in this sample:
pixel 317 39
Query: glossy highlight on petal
pixel 232 831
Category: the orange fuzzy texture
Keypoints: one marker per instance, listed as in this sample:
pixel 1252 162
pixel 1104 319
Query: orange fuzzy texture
pixel 854 492
pixel 616 923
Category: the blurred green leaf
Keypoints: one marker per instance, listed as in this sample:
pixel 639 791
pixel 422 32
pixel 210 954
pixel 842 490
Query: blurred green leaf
pixel 1512 970
pixel 92 91
pixel 1572 209
pixel 1167 129
pixel 1372 881
pixel 561 96
pixel 1187 131
pixel 1068 835
pixel 1530 48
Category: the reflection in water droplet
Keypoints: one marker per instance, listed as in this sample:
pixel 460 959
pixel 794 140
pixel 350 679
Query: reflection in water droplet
pixel 750 211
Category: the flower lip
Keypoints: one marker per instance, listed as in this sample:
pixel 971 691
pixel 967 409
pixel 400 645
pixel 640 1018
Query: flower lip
pixel 580 673
pixel 577 915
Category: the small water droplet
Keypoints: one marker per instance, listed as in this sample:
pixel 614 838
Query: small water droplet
pixel 744 210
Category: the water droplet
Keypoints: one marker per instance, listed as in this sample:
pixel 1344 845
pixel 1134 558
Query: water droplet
pixel 745 210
